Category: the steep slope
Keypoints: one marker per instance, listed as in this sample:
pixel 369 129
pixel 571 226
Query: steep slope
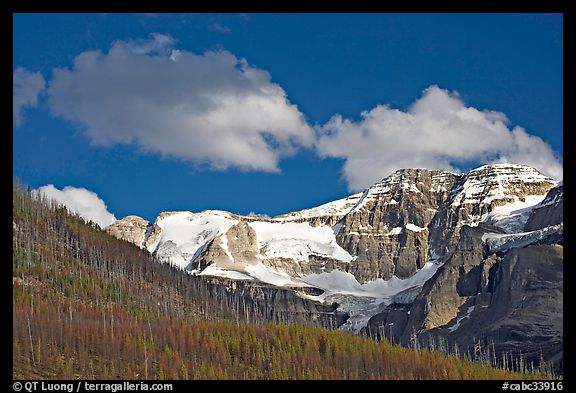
pixel 498 294
pixel 176 237
pixel 415 215
pixel 549 211
pixel 327 214
pixel 88 306
pixel 420 238
pixel 390 228
pixel 60 253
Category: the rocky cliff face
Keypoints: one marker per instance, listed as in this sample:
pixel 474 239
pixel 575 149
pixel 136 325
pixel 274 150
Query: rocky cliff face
pixel 392 228
pixel 257 302
pixel 415 215
pixel 497 294
pixel 131 228
pixel 549 211
pixel 232 250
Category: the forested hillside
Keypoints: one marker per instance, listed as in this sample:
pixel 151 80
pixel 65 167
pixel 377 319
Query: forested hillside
pixel 89 306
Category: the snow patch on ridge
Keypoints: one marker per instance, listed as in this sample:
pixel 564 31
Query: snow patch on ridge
pixel 338 208
pixel 188 232
pixel 214 271
pixel 297 241
pixel 271 276
pixel 224 245
pixel 395 231
pixel 491 182
pixel 398 230
pixel 513 216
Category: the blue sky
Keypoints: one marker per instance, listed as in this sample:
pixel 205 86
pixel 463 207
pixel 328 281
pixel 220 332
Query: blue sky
pixel 271 113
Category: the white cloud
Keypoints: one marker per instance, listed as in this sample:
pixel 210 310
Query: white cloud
pixel 220 28
pixel 259 215
pixel 84 202
pixel 26 87
pixel 438 131
pixel 212 109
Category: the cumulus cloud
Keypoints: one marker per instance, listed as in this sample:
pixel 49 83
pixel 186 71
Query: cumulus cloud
pixel 26 87
pixel 81 201
pixel 211 109
pixel 438 131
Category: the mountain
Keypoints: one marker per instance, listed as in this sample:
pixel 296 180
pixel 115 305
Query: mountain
pixel 88 306
pixel 422 255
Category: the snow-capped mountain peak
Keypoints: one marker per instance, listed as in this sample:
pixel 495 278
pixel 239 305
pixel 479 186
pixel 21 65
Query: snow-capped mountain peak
pixel 400 228
pixel 422 252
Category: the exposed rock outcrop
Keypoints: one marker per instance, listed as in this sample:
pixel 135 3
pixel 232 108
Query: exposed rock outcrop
pixel 549 211
pixel 390 229
pixel 130 228
pixel 505 303
pixel 232 250
pixel 416 214
pixel 266 302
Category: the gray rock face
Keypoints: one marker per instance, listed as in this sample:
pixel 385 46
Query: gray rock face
pixel 232 250
pixel 549 212
pixel 526 310
pixel 130 228
pixel 315 264
pixel 259 302
pixel 242 243
pixel 390 230
pixel 458 279
pixel 416 214
pixel 503 303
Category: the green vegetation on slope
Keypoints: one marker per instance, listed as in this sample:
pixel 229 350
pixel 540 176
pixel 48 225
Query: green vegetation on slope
pixel 86 305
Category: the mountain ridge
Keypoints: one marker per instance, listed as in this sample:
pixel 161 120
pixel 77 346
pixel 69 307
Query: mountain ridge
pixel 462 190
pixel 421 240
pixel 352 199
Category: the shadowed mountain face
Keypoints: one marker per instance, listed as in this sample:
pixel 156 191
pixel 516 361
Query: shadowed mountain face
pixel 472 261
